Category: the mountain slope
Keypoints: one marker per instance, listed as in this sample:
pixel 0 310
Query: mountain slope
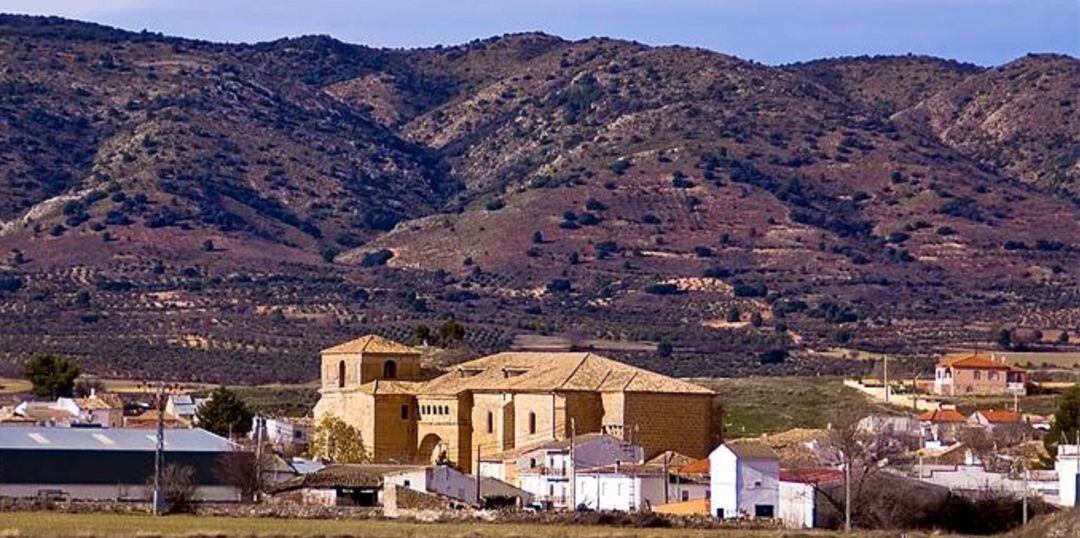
pixel 221 212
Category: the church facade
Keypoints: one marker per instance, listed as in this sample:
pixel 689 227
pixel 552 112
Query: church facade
pixel 505 401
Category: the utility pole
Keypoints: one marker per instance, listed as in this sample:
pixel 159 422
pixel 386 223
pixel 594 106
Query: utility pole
pixel 573 466
pixel 260 423
pixel 886 379
pixel 667 477
pixel 847 494
pixel 159 452
pixel 478 498
pixel 1023 466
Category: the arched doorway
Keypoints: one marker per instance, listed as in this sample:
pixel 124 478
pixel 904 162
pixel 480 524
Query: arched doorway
pixel 432 449
pixel 389 370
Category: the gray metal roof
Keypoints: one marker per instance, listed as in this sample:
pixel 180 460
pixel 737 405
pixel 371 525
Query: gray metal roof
pixel 47 438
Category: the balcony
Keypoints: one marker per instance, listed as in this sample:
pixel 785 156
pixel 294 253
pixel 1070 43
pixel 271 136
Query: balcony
pixel 546 471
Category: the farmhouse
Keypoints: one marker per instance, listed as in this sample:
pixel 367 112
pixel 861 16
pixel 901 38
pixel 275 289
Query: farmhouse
pixel 975 374
pixel 500 402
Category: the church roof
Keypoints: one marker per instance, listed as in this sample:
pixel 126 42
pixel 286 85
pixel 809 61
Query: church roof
pixel 372 344
pixel 390 386
pixel 540 371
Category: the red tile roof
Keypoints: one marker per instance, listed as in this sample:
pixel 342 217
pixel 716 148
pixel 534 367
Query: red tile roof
pixel 698 467
pixel 819 475
pixel 974 361
pixel 942 416
pixel 998 417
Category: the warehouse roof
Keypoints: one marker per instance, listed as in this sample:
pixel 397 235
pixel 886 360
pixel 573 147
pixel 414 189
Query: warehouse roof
pixel 133 439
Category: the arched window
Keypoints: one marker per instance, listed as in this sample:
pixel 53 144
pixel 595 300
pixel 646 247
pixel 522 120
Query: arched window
pixel 389 370
pixel 532 422
pixel 532 463
pixel 341 374
pixel 491 422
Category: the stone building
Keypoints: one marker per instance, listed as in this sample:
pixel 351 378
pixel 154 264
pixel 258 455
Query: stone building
pixel 503 401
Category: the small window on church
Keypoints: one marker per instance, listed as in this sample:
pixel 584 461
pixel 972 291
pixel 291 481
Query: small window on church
pixel 341 374
pixel 389 370
pixel 404 412
pixel 532 422
pixel 491 422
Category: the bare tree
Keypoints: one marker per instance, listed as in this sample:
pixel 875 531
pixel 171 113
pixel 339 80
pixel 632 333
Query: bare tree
pixel 240 470
pixel 178 483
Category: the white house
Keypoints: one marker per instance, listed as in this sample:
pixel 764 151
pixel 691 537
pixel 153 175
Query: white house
pixel 798 495
pixel 544 469
pixel 745 478
pixel 184 407
pixel 105 410
pixel 1068 471
pixel 619 487
pixel 455 484
pixel 283 432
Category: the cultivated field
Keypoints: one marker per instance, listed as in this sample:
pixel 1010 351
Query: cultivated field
pixel 48 525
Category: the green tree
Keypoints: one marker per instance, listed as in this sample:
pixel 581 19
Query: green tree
pixel 733 315
pixel 451 332
pixel 422 334
pixel 225 413
pixel 665 348
pixel 1004 339
pixel 52 375
pixel 337 441
pixel 1066 425
pixel 756 320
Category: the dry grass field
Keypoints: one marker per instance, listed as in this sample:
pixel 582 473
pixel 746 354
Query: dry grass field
pixel 49 525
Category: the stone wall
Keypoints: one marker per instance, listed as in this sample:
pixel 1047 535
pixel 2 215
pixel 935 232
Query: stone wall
pixel 679 422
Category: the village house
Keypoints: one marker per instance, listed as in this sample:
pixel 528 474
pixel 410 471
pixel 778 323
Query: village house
pixel 1067 465
pixel 745 479
pixel 629 487
pixel 500 402
pixel 978 375
pixel 449 482
pixel 100 409
pixel 941 426
pixel 545 469
pixel 991 418
pixel 799 495
pixel 106 464
pixel 288 434
pixel 184 407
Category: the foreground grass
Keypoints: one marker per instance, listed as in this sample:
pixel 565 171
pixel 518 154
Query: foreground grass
pixel 758 405
pixel 50 524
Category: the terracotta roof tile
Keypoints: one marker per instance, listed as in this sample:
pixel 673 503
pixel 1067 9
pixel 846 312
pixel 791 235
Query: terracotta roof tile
pixel 700 467
pixel 754 450
pixel 941 416
pixel 539 371
pixel 997 417
pixel 691 507
pixel 974 361
pixel 372 344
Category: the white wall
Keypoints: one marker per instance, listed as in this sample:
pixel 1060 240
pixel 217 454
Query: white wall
pixel 797 505
pixel 723 477
pixel 738 486
pixel 607 491
pixel 1067 466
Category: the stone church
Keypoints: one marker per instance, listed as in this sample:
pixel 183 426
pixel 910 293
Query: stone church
pixel 504 401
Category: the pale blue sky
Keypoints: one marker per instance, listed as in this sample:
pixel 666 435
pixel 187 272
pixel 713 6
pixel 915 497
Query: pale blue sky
pixel 986 32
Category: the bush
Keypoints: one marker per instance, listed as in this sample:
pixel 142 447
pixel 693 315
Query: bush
pixel 703 252
pixel 377 258
pixel 558 285
pixel 592 204
pixel 749 289
pixel 660 288
pixel 10 282
pixel 620 165
pixel 717 272
pixel 495 205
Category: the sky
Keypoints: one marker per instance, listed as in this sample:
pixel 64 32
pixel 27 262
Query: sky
pixel 985 32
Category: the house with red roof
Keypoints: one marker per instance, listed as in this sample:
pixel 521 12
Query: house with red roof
pixel 991 418
pixel 978 375
pixel 941 424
